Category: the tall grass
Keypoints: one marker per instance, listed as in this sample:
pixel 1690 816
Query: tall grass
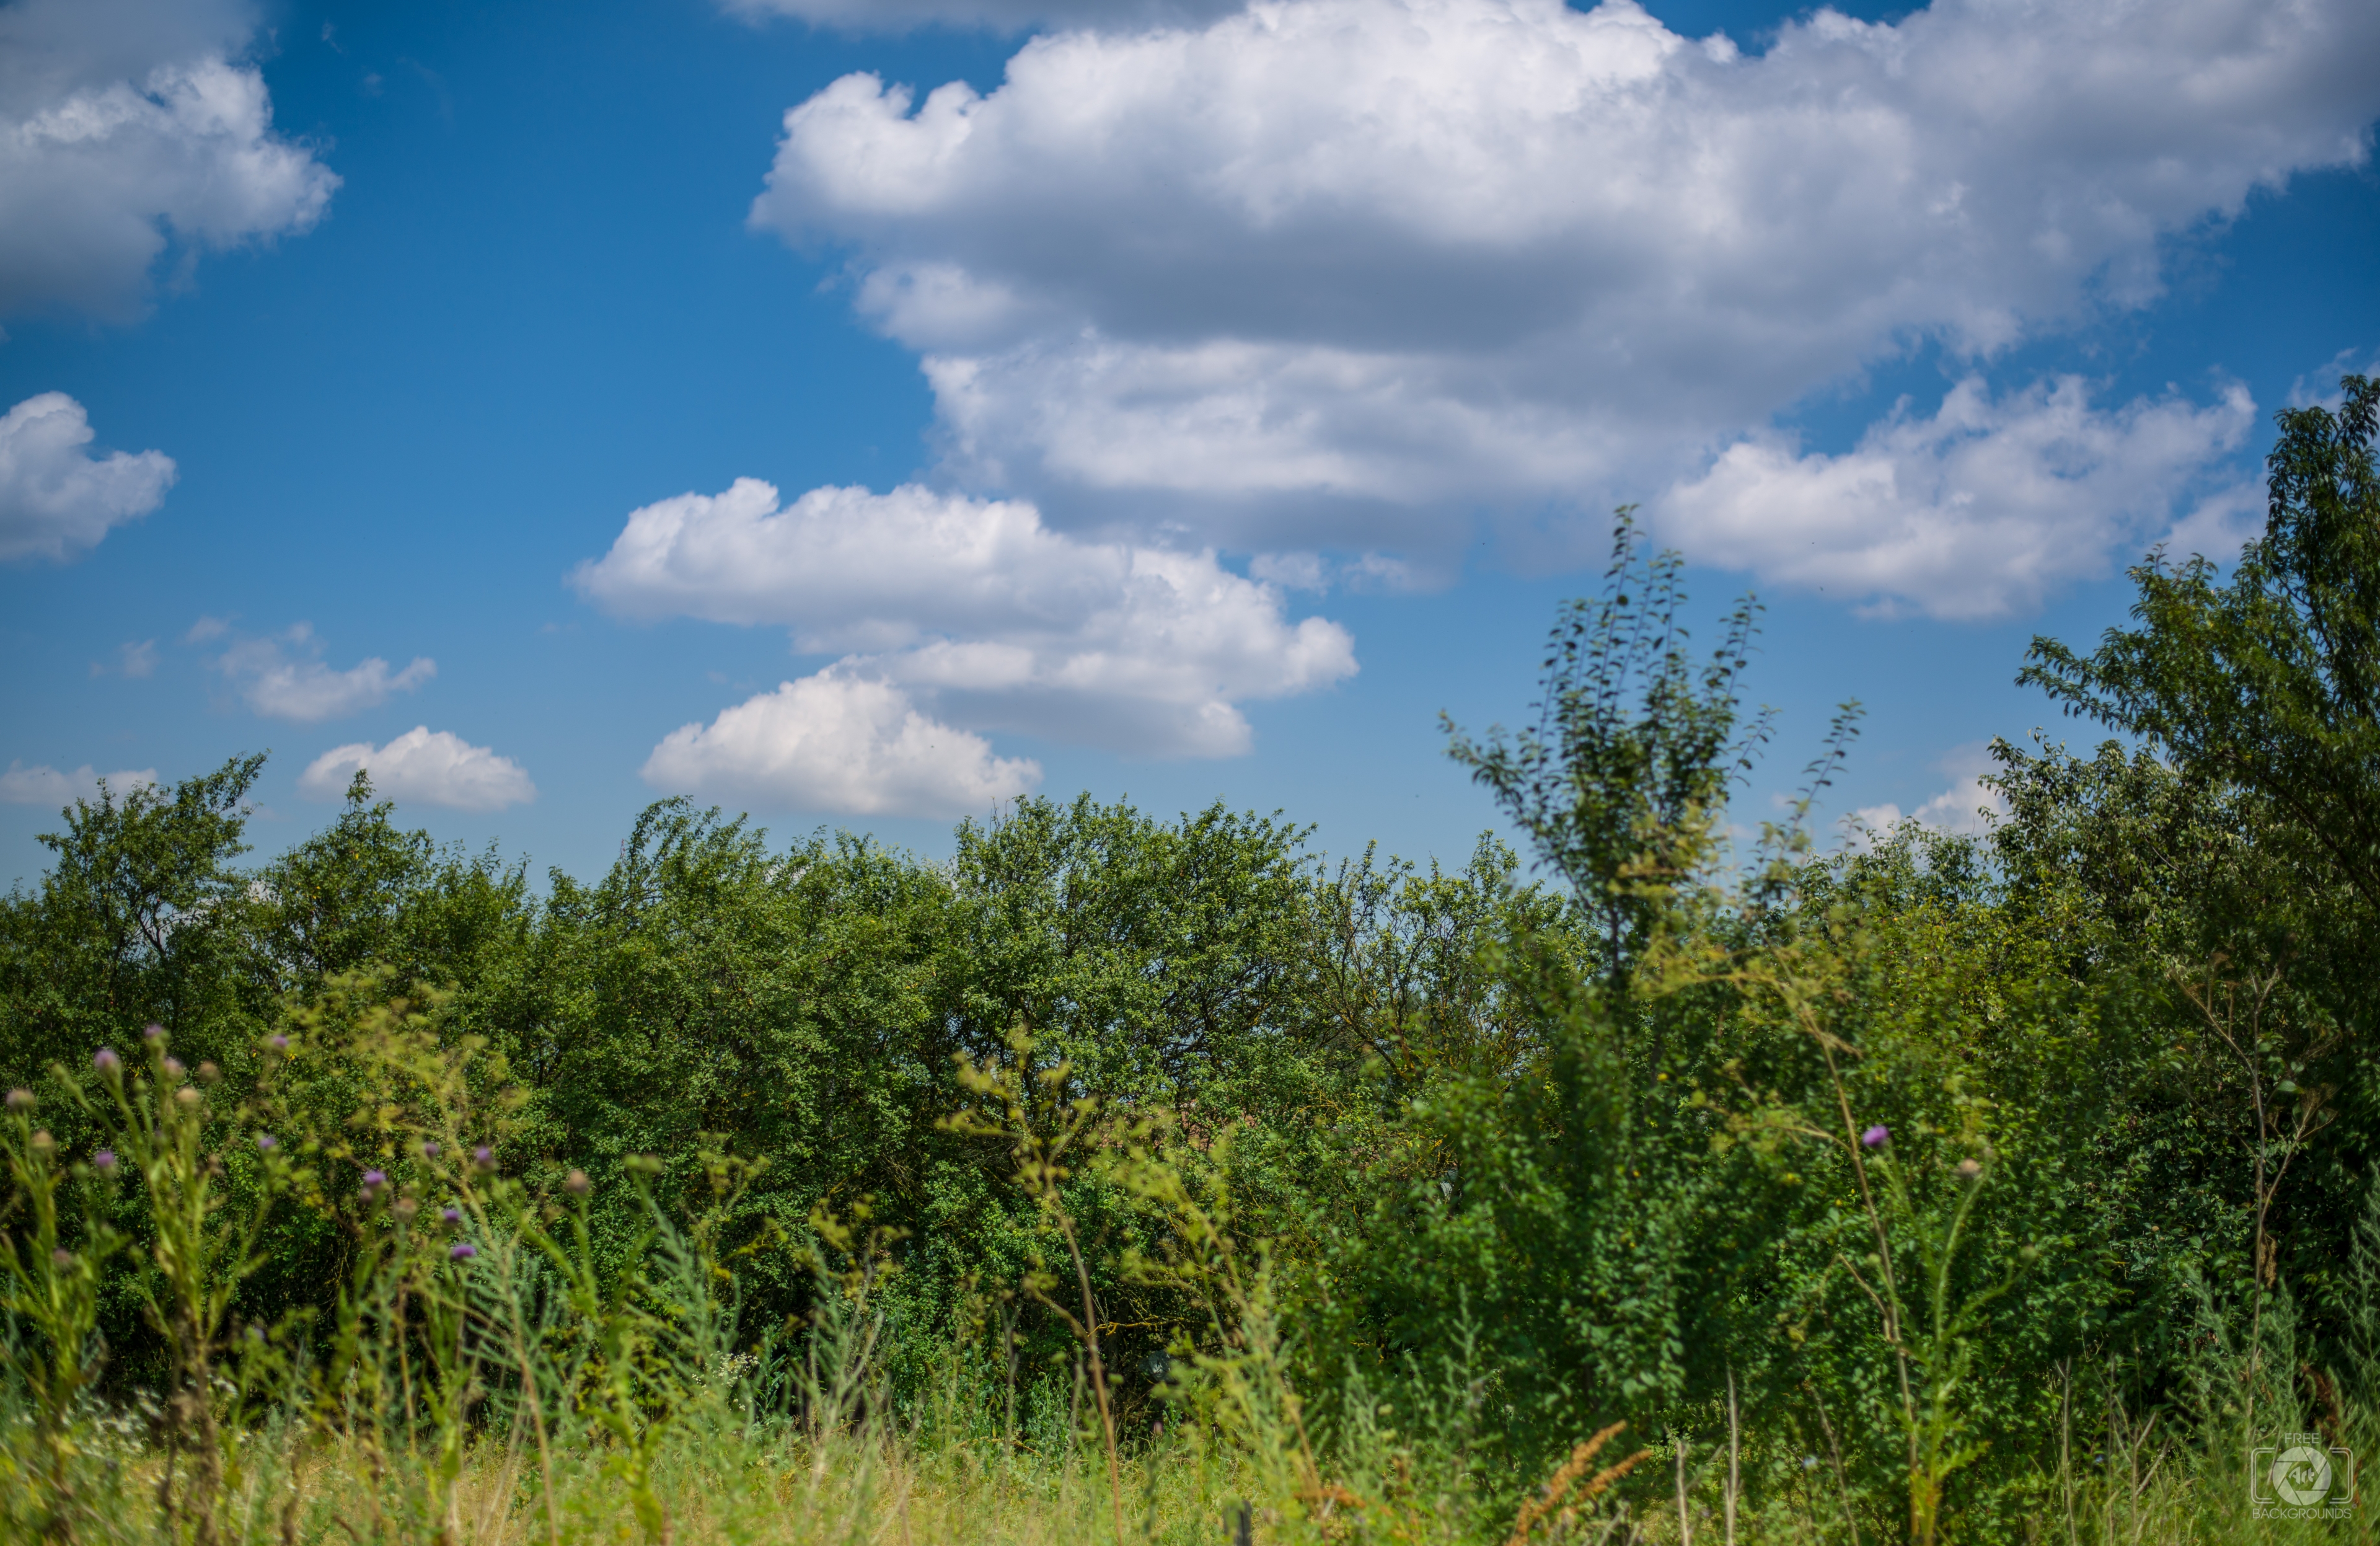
pixel 486 1379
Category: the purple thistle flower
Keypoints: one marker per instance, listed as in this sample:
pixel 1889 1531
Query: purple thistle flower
pixel 462 1251
pixel 484 1157
pixel 173 1066
pixel 278 1043
pixel 429 1151
pixel 151 1031
pixel 105 1060
pixel 267 1142
pixel 453 1215
pixel 374 1179
pixel 1874 1137
pixel 103 1161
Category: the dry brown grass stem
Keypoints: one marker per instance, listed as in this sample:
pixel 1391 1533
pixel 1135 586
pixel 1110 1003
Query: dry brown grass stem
pixel 1558 1486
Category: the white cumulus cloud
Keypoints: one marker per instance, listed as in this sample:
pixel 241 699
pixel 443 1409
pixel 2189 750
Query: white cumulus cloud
pixel 1001 15
pixel 57 499
pixel 1966 808
pixel 432 767
pixel 840 743
pixel 127 125
pixel 1348 274
pixel 1974 512
pixel 44 784
pixel 977 608
pixel 301 688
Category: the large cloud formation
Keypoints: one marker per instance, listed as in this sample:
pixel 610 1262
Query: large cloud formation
pixel 1347 274
pixel 127 124
pixel 57 499
pixel 970 607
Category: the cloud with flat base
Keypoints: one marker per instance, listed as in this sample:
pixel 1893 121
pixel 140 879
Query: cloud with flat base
pixel 1359 275
pixel 952 616
pixel 422 766
pixel 57 499
pixel 275 683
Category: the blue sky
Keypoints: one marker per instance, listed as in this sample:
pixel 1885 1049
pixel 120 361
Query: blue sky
pixel 1260 384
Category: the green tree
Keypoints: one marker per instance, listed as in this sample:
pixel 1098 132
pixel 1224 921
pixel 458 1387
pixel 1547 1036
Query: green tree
pixel 2270 682
pixel 1628 767
pixel 140 919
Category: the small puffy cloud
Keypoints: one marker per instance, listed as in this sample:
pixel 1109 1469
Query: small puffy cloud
pixel 126 125
pixel 839 743
pixel 274 683
pixel 1966 808
pixel 135 660
pixel 1974 512
pixel 424 766
pixel 997 16
pixel 207 629
pixel 1351 274
pixel 978 607
pixel 57 499
pixel 43 785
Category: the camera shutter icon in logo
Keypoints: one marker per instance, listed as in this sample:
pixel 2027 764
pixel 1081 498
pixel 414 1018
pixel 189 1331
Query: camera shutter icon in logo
pixel 2301 1474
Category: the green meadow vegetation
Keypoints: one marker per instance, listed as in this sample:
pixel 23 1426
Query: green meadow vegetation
pixel 1671 1180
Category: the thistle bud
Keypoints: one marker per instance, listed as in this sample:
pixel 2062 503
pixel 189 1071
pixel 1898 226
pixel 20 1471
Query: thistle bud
pixel 1969 1169
pixel 209 1073
pixel 173 1068
pixel 20 1100
pixel 405 1208
pixel 576 1183
pixel 43 1142
pixel 153 1032
pixel 186 1096
pixel 105 1060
